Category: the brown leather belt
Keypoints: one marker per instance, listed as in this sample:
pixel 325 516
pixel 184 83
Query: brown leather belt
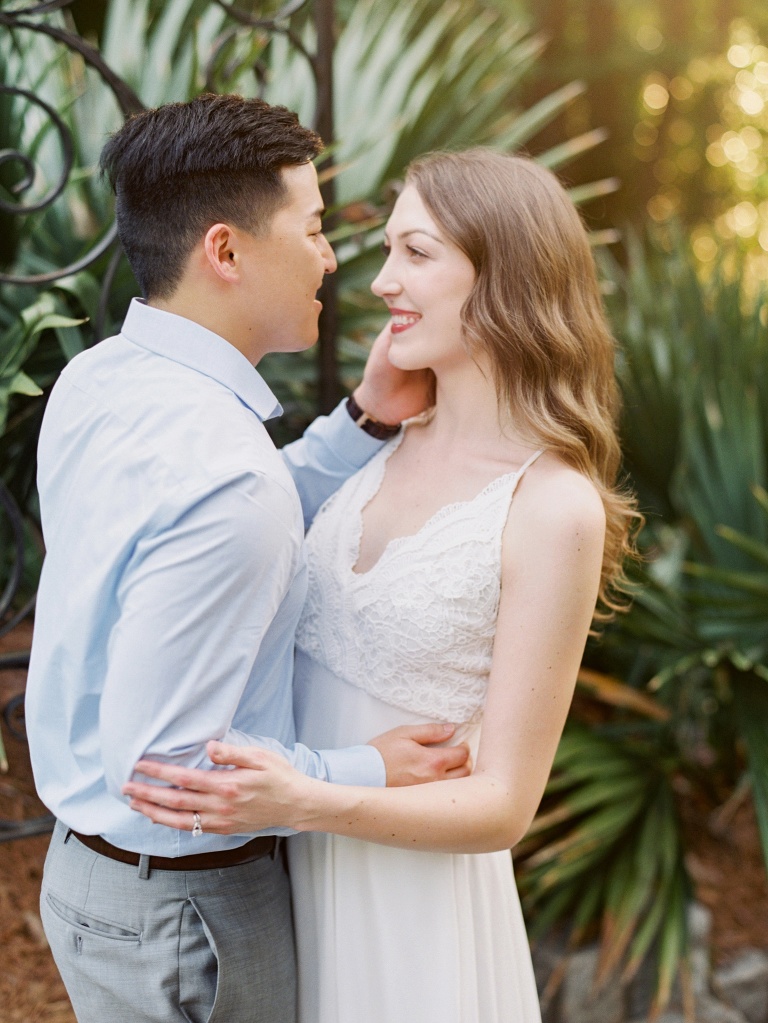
pixel 257 848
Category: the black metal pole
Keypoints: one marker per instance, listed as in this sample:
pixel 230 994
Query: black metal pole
pixel 329 388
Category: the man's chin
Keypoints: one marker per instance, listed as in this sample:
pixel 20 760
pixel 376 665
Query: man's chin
pixel 301 346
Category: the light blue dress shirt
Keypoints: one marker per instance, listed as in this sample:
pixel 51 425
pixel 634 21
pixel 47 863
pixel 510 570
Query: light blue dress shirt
pixel 174 575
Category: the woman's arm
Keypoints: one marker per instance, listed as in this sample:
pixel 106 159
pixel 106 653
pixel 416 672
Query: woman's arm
pixel 552 554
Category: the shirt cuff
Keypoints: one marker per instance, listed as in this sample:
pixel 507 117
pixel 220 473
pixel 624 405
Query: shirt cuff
pixel 343 435
pixel 355 765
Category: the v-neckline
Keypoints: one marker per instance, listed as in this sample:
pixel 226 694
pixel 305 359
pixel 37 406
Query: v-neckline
pixel 398 541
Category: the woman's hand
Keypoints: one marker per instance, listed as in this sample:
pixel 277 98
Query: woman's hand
pixel 265 793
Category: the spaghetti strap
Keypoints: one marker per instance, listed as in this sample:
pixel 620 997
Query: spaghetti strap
pixel 517 476
pixel 530 462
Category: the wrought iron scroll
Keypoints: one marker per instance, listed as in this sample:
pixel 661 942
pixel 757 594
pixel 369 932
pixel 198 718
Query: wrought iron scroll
pixel 320 62
pixel 127 100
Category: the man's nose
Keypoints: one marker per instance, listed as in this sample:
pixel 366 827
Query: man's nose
pixel 329 257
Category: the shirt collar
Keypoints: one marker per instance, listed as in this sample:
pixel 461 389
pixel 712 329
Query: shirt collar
pixel 189 343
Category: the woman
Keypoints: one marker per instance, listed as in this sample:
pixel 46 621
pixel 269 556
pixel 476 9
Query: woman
pixel 435 596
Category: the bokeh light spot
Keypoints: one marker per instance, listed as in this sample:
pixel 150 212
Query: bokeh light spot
pixel 661 207
pixel 705 247
pixel 715 155
pixel 734 147
pixel 751 102
pixel 752 137
pixel 743 219
pixel 681 88
pixel 655 96
pixel 739 56
pixel 645 134
pixel 649 38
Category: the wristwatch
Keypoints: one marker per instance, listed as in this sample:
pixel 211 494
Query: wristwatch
pixel 381 431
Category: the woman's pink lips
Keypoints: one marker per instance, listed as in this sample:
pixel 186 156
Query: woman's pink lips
pixel 398 328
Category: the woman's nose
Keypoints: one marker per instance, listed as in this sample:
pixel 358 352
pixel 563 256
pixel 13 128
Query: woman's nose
pixel 384 283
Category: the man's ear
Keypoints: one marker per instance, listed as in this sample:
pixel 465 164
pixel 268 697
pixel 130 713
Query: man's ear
pixel 221 251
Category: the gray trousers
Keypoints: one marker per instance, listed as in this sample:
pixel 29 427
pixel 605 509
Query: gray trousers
pixel 201 946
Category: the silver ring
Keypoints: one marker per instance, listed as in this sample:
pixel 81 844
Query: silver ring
pixel 197 827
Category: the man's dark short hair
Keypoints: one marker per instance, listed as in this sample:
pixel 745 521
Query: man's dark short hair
pixel 183 167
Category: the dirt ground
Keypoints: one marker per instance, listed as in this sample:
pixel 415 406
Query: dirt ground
pixel 30 988
pixel 727 868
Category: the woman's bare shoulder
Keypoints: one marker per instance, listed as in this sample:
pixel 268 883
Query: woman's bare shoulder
pixel 556 502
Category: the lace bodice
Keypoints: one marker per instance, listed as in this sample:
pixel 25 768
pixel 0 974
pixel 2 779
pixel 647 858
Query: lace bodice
pixel 416 630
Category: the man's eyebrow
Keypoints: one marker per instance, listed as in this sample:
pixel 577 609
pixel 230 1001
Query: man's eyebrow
pixel 317 214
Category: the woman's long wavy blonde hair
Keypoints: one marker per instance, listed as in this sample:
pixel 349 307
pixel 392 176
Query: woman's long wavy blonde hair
pixel 536 310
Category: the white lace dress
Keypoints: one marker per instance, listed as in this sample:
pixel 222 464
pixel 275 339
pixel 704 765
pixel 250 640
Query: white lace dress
pixel 389 935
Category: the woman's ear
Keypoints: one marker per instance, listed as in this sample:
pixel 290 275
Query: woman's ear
pixel 221 252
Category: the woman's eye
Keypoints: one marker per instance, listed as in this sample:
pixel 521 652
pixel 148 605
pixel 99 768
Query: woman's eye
pixel 386 249
pixel 417 253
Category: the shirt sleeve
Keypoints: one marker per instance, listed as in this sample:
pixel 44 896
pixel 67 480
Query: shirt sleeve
pixel 195 600
pixel 331 450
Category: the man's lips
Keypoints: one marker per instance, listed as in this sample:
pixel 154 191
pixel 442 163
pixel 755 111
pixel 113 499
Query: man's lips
pixel 402 319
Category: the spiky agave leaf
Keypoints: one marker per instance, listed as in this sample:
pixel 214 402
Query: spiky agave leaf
pixel 612 857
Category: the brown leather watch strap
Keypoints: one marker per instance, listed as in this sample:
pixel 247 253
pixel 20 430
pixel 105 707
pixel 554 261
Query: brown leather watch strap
pixel 371 426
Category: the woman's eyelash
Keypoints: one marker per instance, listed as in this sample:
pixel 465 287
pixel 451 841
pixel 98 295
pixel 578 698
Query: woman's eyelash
pixel 386 249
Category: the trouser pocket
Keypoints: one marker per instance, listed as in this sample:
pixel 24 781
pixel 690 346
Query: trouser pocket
pixel 87 925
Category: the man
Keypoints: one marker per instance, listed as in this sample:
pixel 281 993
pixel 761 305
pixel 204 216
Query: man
pixel 174 574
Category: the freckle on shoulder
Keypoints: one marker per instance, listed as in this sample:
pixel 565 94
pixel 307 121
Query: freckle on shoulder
pixel 561 502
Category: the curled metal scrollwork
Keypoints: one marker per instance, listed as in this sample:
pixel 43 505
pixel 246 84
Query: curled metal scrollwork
pixel 127 100
pixel 14 156
pixel 220 44
pixel 27 17
pixel 43 7
pixel 56 275
pixel 246 18
pixel 277 23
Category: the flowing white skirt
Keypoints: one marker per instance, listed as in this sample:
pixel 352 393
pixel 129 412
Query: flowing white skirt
pixel 391 935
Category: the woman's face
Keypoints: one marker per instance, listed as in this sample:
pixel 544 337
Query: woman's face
pixel 425 282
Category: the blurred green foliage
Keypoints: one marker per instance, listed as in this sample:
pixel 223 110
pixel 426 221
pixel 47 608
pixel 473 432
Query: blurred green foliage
pixel 690 715
pixel 682 88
